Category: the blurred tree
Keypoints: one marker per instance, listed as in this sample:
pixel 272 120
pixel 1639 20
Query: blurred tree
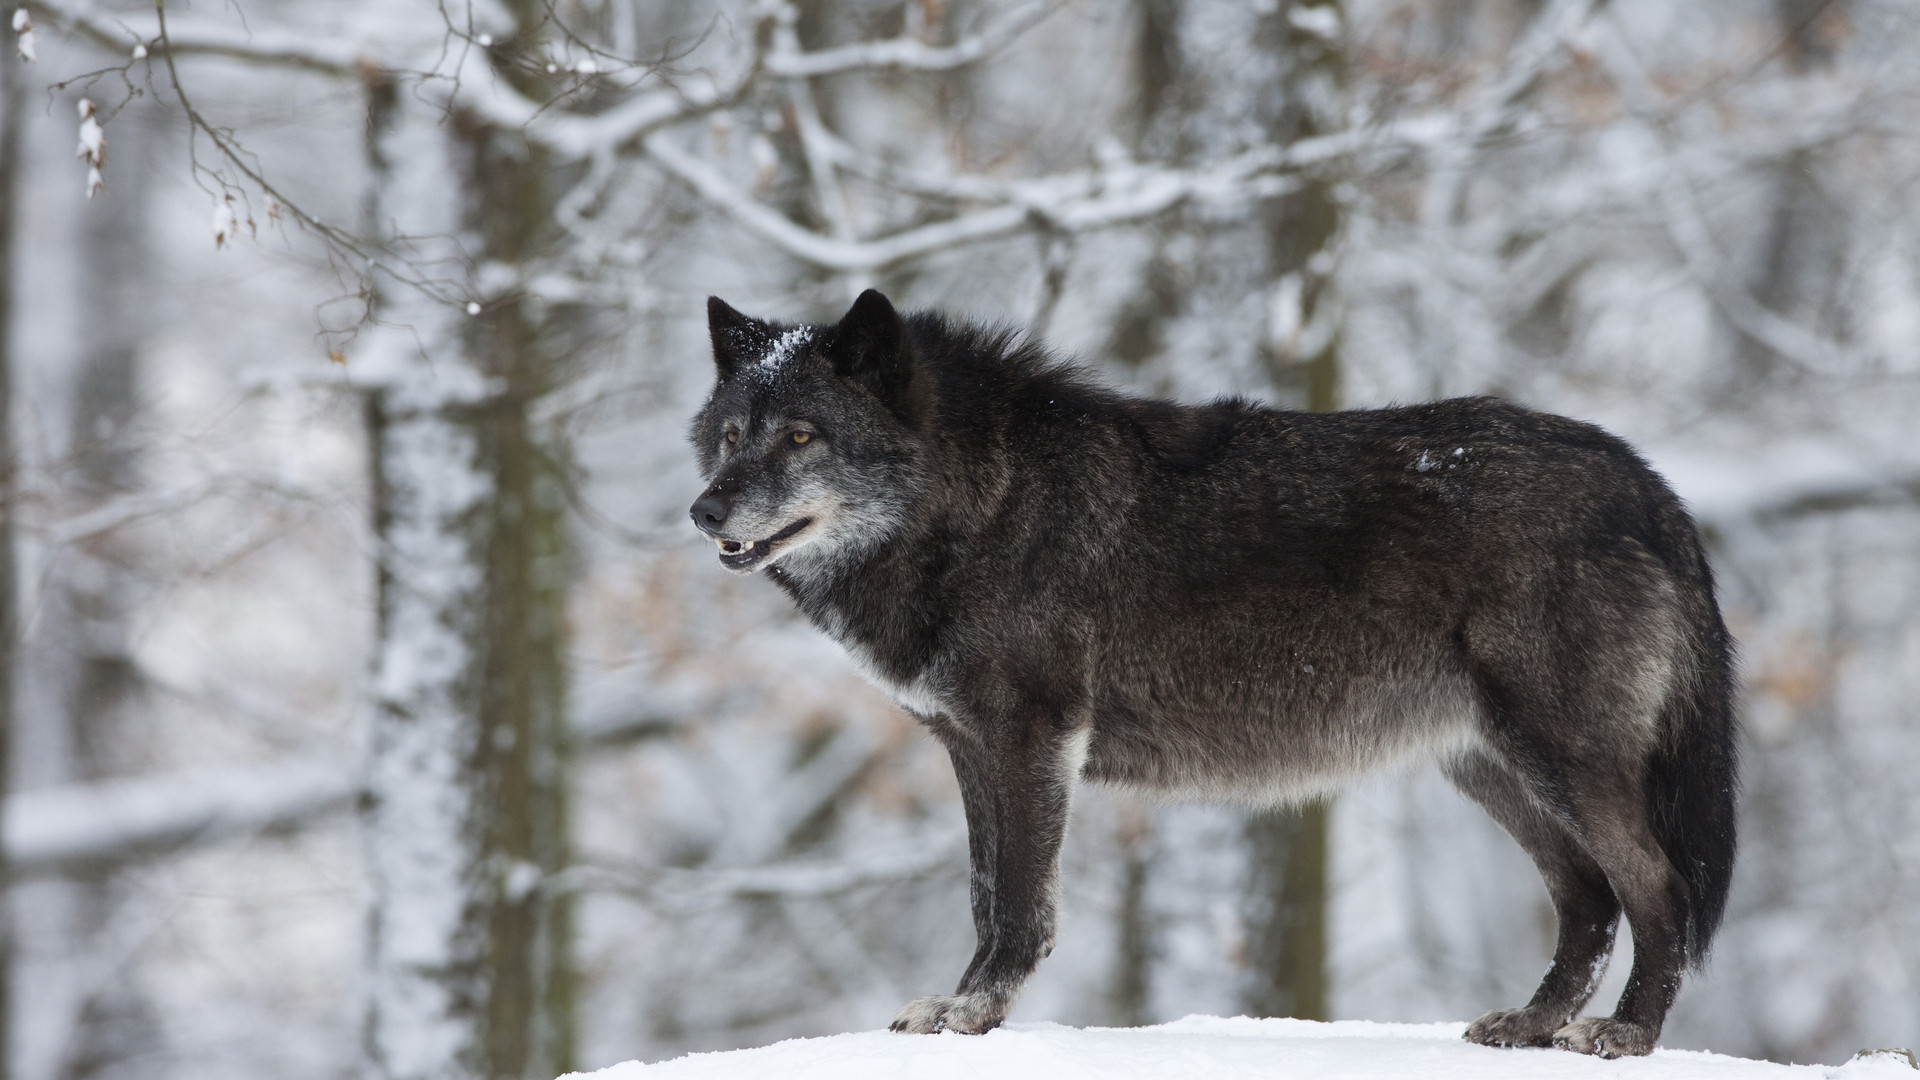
pixel 1259 304
pixel 471 944
pixel 1287 940
pixel 13 92
pixel 87 595
pixel 1797 269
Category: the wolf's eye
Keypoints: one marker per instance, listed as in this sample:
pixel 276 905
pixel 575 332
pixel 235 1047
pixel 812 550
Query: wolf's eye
pixel 732 437
pixel 800 437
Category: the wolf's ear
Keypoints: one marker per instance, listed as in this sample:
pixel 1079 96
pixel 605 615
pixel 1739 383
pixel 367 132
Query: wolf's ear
pixel 735 336
pixel 866 344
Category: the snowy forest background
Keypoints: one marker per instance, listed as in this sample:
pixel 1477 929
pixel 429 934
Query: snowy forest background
pixel 374 708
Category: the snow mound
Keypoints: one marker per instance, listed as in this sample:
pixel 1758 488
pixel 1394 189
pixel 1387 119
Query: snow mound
pixel 1209 1048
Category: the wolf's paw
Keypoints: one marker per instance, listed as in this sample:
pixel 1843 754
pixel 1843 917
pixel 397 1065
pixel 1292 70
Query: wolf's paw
pixel 1603 1036
pixel 968 1014
pixel 1514 1027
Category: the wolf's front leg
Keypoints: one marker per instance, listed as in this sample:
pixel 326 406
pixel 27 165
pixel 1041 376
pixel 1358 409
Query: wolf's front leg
pixel 1017 797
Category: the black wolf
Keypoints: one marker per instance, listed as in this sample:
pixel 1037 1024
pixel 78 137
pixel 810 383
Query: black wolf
pixel 1063 581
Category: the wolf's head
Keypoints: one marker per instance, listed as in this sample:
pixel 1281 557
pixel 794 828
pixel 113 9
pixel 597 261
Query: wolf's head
pixel 806 443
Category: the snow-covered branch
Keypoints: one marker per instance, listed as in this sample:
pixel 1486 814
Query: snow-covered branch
pixel 1741 500
pixel 629 705
pixel 1498 104
pixel 1222 178
pixel 1685 222
pixel 799 880
pixel 830 197
pixel 52 829
pixel 1070 202
pixel 912 54
pixel 582 135
pixel 126 510
pixel 770 822
pixel 1079 201
pixel 1687 226
pixel 195 36
pixel 476 87
pixel 1902 491
pixel 826 251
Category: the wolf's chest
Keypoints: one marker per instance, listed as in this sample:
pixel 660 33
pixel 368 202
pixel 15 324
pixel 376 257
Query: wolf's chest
pixel 917 692
pixel 917 695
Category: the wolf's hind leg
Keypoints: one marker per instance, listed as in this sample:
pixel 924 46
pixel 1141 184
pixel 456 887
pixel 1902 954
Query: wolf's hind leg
pixel 1017 800
pixel 1584 903
pixel 1614 826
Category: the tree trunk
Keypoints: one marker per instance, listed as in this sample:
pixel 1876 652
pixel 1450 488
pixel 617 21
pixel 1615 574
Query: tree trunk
pixel 73 679
pixel 12 121
pixel 1800 260
pixel 87 600
pixel 466 821
pixel 523 705
pixel 1259 303
pixel 1287 913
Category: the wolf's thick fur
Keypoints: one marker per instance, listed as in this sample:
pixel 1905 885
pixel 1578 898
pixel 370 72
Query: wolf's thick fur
pixel 1236 602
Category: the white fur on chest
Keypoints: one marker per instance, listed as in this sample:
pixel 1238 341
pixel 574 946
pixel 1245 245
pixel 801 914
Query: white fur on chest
pixel 918 696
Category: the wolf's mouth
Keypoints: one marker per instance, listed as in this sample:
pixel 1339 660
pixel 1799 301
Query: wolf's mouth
pixel 742 554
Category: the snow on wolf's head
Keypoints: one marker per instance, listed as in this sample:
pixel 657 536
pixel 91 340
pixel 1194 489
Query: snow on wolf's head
pixel 805 443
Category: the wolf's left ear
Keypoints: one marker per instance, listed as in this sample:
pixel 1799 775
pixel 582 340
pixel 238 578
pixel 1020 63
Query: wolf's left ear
pixel 735 336
pixel 865 346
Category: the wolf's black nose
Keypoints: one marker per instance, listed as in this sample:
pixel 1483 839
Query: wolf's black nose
pixel 710 512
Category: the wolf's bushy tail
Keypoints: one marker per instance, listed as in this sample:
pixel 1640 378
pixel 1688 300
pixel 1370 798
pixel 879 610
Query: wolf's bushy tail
pixel 1693 778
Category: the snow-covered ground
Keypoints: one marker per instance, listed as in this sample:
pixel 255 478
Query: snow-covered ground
pixel 1214 1049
